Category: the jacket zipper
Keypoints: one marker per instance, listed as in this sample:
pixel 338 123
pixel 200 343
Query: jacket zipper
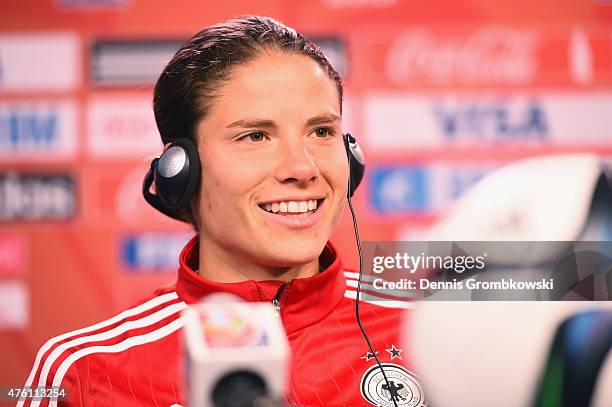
pixel 276 304
pixel 279 297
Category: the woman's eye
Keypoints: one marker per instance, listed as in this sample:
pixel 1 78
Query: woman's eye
pixel 323 132
pixel 255 137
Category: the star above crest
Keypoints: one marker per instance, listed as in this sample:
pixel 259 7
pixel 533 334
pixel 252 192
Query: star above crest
pixel 368 356
pixel 395 353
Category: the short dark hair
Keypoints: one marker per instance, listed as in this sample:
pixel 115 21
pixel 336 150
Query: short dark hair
pixel 188 85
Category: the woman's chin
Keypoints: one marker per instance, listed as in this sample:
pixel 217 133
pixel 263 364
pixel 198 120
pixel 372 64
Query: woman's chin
pixel 292 255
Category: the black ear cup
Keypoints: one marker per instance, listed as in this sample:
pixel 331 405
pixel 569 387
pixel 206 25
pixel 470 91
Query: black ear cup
pixel 177 176
pixel 356 162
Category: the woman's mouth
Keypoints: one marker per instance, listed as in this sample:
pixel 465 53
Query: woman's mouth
pixel 292 208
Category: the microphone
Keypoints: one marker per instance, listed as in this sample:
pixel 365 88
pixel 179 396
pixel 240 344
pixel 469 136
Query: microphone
pixel 235 353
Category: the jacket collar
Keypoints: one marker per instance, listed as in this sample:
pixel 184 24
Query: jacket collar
pixel 303 301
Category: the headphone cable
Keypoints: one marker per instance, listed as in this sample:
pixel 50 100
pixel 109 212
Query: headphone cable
pixel 365 335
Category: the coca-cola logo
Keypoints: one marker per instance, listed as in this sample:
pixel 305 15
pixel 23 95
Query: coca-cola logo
pixel 491 55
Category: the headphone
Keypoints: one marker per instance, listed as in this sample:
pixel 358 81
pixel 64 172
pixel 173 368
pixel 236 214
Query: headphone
pixel 177 172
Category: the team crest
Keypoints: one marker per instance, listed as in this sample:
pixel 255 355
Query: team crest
pixel 403 387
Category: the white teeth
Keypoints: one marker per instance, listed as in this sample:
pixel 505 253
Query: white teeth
pixel 291 206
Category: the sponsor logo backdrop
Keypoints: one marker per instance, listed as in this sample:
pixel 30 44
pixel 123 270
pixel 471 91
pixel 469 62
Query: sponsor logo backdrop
pixel 437 104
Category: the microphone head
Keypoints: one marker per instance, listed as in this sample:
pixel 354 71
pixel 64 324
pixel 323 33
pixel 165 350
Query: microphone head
pixel 231 344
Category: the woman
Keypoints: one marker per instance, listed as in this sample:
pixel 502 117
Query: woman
pixel 263 108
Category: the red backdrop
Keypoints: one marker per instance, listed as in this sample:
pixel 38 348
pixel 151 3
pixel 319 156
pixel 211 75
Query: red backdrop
pixel 438 93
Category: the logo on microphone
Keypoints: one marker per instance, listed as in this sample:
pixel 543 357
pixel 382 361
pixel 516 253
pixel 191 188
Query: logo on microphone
pixel 403 387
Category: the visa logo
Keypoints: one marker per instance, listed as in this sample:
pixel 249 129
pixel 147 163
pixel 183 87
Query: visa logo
pixel 492 122
pixel 20 130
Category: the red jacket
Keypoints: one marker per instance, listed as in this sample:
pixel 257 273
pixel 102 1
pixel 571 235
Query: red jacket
pixel 135 358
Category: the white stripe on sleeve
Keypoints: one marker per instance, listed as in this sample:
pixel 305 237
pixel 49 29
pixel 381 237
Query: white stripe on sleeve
pixel 152 303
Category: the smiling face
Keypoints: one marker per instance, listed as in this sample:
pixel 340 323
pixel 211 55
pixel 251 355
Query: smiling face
pixel 274 170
